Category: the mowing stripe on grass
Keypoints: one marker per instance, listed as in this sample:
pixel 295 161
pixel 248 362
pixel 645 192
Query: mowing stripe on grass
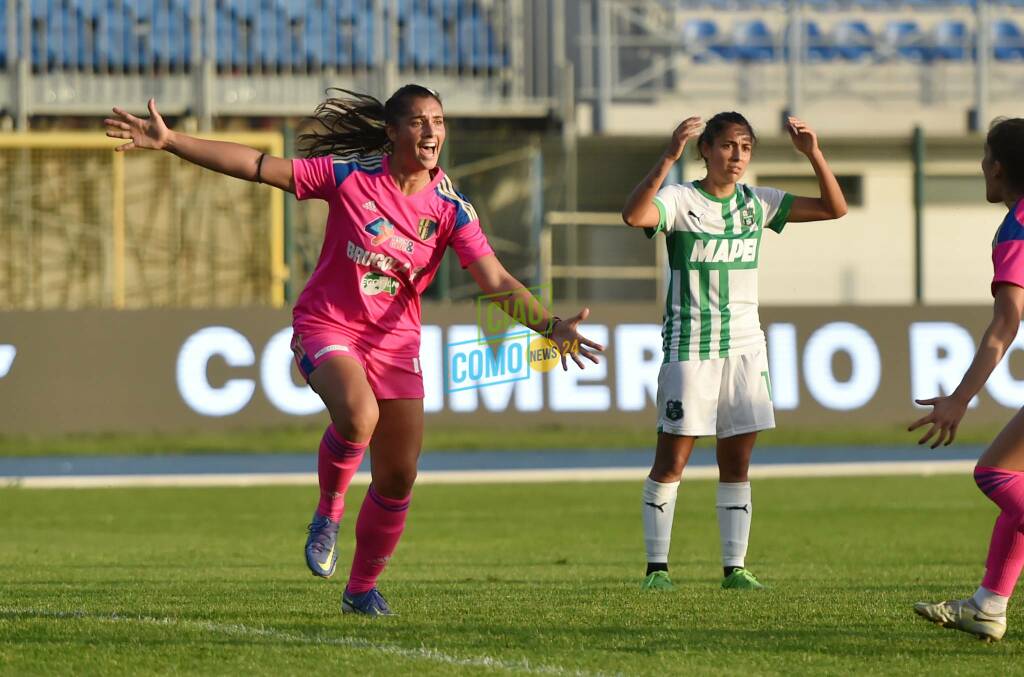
pixel 868 469
pixel 238 630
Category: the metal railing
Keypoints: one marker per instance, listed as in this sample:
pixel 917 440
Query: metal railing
pixel 572 221
pixel 207 58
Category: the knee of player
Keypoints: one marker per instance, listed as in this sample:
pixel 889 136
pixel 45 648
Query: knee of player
pixel 394 482
pixel 358 423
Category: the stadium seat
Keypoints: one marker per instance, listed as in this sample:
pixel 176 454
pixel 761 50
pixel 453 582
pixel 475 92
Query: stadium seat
pixel 752 41
pixel 1007 41
pixel 816 45
pixel 476 46
pixel 423 42
pixel 950 41
pixel 697 37
pixel 904 40
pixel 853 40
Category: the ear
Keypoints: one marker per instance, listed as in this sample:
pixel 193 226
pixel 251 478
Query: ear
pixel 391 132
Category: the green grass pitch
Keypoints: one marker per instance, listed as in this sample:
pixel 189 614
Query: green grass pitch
pixel 498 579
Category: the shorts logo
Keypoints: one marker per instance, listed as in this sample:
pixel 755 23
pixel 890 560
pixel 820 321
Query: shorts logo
pixel 427 228
pixel 674 410
pixel 377 283
pixel 329 349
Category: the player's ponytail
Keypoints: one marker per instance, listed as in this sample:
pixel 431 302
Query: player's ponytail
pixel 716 125
pixel 355 123
pixel 1005 141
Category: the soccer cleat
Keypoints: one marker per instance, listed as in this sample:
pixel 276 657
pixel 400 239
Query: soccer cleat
pixel 657 580
pixel 321 546
pixel 961 614
pixel 741 579
pixel 369 603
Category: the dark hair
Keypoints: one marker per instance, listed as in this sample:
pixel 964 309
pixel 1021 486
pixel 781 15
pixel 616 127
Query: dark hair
pixel 717 124
pixel 355 122
pixel 1005 141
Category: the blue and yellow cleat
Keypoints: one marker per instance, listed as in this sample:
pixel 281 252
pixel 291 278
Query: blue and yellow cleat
pixel 369 603
pixel 321 546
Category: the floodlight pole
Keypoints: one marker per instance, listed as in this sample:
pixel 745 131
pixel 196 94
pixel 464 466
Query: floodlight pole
pixel 794 58
pixel 979 116
pixel 918 155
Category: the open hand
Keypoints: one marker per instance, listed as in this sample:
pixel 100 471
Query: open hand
pixel 803 137
pixel 150 133
pixel 944 419
pixel 569 342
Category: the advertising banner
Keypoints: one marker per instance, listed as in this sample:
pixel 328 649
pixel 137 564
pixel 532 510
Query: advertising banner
pixel 178 370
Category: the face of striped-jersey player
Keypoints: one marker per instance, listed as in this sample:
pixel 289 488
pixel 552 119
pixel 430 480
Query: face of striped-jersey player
pixel 729 153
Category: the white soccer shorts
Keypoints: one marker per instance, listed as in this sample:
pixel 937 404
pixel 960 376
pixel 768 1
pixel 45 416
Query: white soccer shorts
pixel 721 397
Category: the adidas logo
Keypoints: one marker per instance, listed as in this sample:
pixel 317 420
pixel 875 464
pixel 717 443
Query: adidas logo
pixel 371 205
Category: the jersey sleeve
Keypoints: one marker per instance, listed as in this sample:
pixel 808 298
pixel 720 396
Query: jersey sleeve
pixel 468 239
pixel 1008 251
pixel 776 204
pixel 314 177
pixel 667 202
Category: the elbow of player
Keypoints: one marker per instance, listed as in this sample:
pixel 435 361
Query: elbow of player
pixel 628 218
pixel 839 211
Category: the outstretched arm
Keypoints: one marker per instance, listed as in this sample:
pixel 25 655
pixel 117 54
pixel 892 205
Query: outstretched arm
pixel 493 279
pixel 948 410
pixel 640 211
pixel 232 159
pixel 832 203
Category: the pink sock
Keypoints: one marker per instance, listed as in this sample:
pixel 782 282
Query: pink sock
pixel 1006 552
pixel 378 528
pixel 337 463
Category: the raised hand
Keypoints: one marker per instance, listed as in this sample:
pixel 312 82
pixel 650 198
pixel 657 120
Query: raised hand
pixel 944 419
pixel 687 129
pixel 569 342
pixel 803 137
pixel 151 133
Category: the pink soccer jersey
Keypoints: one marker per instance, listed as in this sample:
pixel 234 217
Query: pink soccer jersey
pixel 1008 249
pixel 381 249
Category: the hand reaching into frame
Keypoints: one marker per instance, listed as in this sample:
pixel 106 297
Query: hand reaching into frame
pixel 151 133
pixel 570 343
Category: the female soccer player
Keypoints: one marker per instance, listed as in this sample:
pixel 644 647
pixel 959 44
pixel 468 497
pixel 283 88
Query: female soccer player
pixel 714 377
pixel 1000 470
pixel 392 214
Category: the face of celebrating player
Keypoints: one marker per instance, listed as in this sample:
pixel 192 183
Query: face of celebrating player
pixel 728 154
pixel 418 135
pixel 993 172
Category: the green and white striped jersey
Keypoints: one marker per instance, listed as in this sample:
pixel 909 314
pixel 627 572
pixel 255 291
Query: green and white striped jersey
pixel 713 248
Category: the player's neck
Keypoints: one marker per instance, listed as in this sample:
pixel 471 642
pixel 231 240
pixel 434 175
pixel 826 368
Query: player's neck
pixel 1012 199
pixel 717 189
pixel 408 180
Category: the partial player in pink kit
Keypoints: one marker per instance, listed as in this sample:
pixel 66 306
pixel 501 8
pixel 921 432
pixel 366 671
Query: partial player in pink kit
pixel 392 214
pixel 1000 470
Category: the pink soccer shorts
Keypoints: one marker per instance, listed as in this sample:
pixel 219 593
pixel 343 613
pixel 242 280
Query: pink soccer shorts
pixel 391 377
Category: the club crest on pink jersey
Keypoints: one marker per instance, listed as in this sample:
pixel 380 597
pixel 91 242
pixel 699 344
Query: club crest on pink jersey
pixel 427 228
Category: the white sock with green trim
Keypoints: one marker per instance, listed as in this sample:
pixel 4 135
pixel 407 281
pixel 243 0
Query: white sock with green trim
pixel 734 508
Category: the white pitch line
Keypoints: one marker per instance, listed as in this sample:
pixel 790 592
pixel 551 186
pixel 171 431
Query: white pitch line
pixel 780 470
pixel 238 630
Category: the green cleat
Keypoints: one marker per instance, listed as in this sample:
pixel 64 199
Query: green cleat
pixel 657 580
pixel 741 579
pixel 961 614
